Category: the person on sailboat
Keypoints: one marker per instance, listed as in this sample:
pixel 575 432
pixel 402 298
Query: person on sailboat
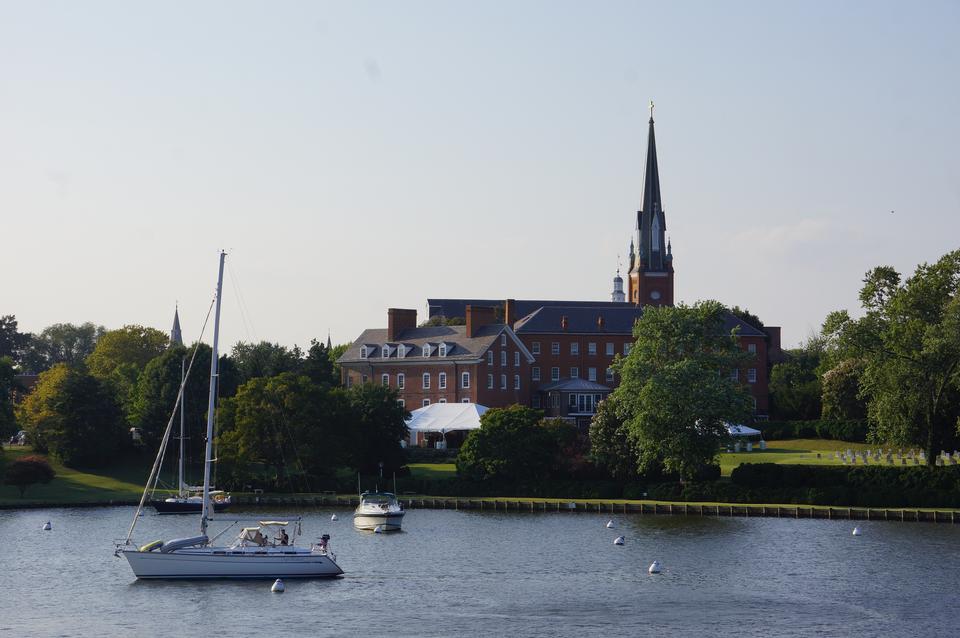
pixel 284 539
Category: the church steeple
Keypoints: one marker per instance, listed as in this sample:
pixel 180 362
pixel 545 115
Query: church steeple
pixel 651 275
pixel 176 337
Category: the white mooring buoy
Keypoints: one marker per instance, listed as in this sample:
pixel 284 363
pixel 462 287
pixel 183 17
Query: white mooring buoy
pixel 856 531
pixel 619 540
pixel 378 529
pixel 609 524
pixel 277 586
pixel 47 526
pixel 333 518
pixel 655 567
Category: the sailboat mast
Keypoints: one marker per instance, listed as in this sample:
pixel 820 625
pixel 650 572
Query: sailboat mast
pixel 180 483
pixel 214 364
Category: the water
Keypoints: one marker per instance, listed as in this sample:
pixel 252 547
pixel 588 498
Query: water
pixel 483 574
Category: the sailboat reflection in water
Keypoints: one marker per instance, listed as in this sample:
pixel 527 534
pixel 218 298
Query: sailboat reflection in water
pixel 253 554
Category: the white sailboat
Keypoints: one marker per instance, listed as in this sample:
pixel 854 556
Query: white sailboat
pixel 252 554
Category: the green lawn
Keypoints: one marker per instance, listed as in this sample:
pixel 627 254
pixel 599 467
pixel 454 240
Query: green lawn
pixel 433 470
pixel 124 482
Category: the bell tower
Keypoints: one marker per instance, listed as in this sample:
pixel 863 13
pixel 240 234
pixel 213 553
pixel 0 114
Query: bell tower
pixel 650 280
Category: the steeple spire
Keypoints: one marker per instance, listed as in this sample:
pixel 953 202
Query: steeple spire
pixel 650 220
pixel 176 337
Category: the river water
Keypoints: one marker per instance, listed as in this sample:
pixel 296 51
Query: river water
pixel 492 574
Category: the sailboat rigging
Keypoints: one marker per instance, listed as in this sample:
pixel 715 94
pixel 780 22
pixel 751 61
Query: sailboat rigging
pixel 252 554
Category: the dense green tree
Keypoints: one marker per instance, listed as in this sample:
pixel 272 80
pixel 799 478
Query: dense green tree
pixel 610 445
pixel 61 343
pixel 676 392
pixel 264 359
pixel 318 365
pixel 748 317
pixel 377 424
pixel 909 342
pixel 440 320
pixel 132 346
pixel 74 416
pixel 511 445
pixel 27 471
pixel 841 392
pixel 335 353
pixel 12 341
pixel 8 423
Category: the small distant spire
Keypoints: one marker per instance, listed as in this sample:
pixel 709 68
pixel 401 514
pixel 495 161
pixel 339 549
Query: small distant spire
pixel 651 110
pixel 329 344
pixel 176 337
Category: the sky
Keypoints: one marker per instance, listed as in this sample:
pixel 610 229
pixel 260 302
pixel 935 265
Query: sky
pixel 355 156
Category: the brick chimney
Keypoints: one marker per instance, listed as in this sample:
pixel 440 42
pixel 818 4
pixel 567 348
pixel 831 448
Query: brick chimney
pixel 600 322
pixel 774 353
pixel 479 316
pixel 398 320
pixel 564 323
pixel 510 312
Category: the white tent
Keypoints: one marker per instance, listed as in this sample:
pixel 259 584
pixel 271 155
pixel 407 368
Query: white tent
pixel 446 417
pixel 741 430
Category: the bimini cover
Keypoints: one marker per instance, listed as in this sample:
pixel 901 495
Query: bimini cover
pixel 741 430
pixel 446 417
pixel 180 543
pixel 280 523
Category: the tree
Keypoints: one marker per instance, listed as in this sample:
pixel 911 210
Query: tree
pixel 610 446
pixel 440 320
pixel 131 346
pixel 74 416
pixel 376 425
pixel 27 471
pixel 12 342
pixel 335 353
pixel 511 445
pixel 264 359
pixel 61 343
pixel 747 317
pixel 909 342
pixel 8 423
pixel 794 390
pixel 841 392
pixel 318 365
pixel 676 392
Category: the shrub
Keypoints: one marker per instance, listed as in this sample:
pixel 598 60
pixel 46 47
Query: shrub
pixel 27 471
pixel 852 431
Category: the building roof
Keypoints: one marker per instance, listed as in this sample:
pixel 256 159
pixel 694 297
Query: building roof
pixel 458 307
pixel 459 347
pixel 574 385
pixel 617 319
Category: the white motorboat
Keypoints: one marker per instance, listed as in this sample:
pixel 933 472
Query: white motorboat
pixel 378 509
pixel 253 554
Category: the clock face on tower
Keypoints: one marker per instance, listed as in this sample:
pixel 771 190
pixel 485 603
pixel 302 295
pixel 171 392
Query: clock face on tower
pixel 655 294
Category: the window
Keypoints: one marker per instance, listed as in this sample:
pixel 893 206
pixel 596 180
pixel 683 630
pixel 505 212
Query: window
pixel 363 352
pixel 425 403
pixel 464 400
pixel 609 374
pixel 401 351
pixel 752 348
pixel 385 379
pixel 365 379
pixel 574 373
pixel 591 374
pixel 503 382
pixel 754 399
pixel 626 348
pixel 516 359
pixel 516 382
pixel 555 347
pixel 489 357
pixel 426 380
pixel 535 347
pixel 574 347
pixel 609 349
pixel 442 380
pixel 752 375
pixel 503 340
pixel 385 352
pixel 535 373
pixel 400 379
pixel 442 400
pixel 536 400
pixel 503 357
pixel 489 382
pixel 555 400
pixel 349 381
pixel 554 374
pixel 735 374
pixel 426 350
pixel 443 349
pixel 402 403
pixel 465 380
pixel 591 348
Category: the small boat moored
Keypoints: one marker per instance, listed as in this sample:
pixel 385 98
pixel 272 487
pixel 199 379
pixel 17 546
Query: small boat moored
pixel 378 509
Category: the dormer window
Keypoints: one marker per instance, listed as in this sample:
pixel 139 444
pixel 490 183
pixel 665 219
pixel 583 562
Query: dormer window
pixel 401 351
pixel 443 349
pixel 385 352
pixel 426 349
pixel 363 352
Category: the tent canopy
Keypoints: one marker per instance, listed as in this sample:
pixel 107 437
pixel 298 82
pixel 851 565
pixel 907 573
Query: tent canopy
pixel 741 430
pixel 446 417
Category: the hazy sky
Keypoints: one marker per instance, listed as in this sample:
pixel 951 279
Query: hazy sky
pixel 354 156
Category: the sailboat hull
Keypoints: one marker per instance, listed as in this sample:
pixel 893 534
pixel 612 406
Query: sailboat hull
pixel 185 507
pixel 206 562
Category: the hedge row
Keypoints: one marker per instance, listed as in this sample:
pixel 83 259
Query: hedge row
pixel 852 431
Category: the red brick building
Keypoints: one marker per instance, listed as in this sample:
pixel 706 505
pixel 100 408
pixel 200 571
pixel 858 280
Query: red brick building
pixel 552 355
